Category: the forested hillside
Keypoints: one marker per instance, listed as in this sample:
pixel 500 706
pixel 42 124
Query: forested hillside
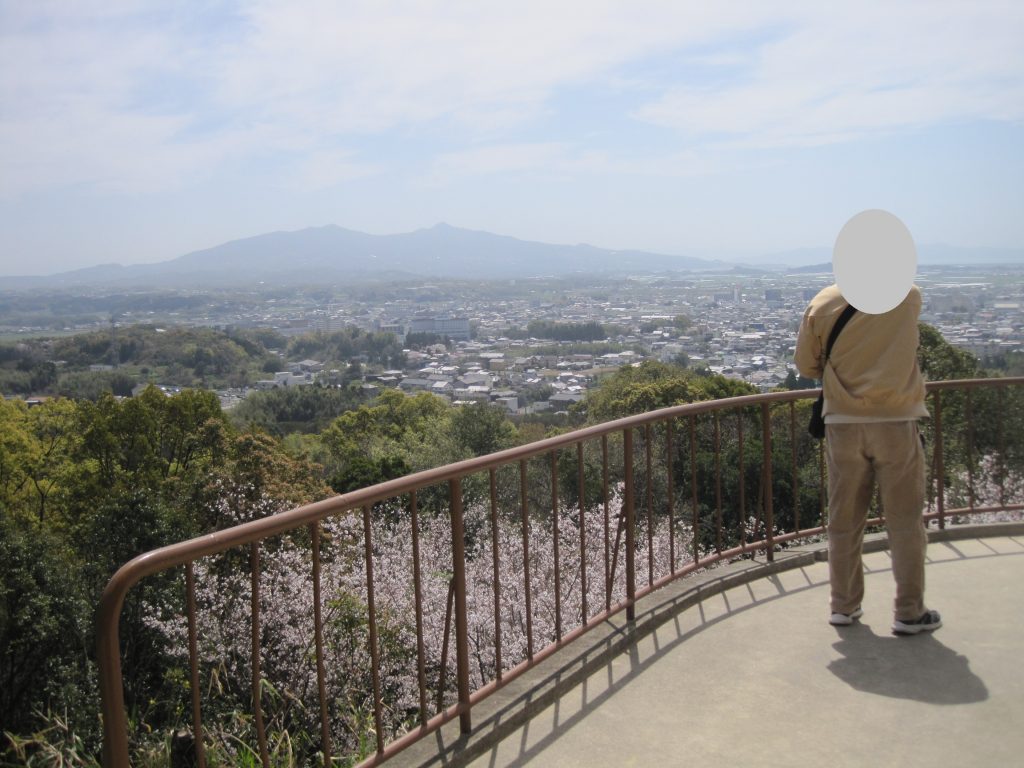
pixel 85 486
pixel 179 356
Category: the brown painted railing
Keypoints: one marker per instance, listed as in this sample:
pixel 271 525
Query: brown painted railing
pixel 644 463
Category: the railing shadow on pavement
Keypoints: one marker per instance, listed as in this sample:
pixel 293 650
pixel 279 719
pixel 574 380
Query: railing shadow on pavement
pixel 924 670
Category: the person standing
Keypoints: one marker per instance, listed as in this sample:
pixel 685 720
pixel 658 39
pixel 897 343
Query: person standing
pixel 873 397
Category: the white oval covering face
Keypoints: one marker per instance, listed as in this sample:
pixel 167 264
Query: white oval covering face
pixel 874 261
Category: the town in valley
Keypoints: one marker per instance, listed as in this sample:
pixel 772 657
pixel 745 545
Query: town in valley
pixel 511 341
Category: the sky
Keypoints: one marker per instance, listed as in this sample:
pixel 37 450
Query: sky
pixel 135 131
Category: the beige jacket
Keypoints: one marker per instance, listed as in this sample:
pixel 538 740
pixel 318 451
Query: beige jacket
pixel 873 371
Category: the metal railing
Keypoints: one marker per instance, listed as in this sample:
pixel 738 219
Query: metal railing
pixel 709 479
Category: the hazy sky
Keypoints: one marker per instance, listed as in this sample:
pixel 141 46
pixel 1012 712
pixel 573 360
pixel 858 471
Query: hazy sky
pixel 134 131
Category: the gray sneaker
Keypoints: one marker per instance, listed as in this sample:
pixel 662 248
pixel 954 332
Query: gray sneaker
pixel 845 619
pixel 929 622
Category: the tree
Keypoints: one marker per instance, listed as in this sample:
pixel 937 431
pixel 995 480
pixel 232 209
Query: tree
pixel 682 323
pixel 546 329
pixel 16 448
pixel 36 447
pixel 796 381
pixel 397 435
pixel 940 360
pixel 49 463
pixel 1006 363
pixel 44 630
pixel 343 346
pixel 86 486
pixel 286 410
pixel 92 385
pixel 482 428
pixel 392 424
pixel 44 376
pixel 976 425
pixel 255 477
pixel 420 340
pixel 364 471
pixel 654 385
pixel 191 428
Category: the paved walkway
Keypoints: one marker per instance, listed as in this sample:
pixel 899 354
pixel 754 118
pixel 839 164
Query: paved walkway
pixel 755 675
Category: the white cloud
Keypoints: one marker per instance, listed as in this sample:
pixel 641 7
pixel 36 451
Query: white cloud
pixel 136 96
pixel 373 65
pixel 843 72
pixel 131 94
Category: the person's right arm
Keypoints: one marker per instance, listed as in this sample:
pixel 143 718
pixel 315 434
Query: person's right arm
pixel 809 352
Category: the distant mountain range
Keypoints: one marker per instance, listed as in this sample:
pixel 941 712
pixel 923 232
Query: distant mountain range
pixel 333 254
pixel 328 254
pixel 820 259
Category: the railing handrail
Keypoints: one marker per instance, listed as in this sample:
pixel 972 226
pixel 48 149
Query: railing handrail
pixel 181 553
pixel 245 533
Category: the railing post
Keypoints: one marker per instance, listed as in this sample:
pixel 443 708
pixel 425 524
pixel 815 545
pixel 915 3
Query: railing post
pixel 461 619
pixel 525 509
pixel 769 514
pixel 108 657
pixel 940 468
pixel 796 474
pixel 256 682
pixel 670 493
pixel 495 558
pixel 1000 393
pixel 193 664
pixel 970 451
pixel 556 554
pixel 583 532
pixel 694 495
pixel 649 501
pixel 743 480
pixel 318 628
pixel 371 615
pixel 628 509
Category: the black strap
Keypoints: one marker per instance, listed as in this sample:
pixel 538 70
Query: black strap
pixel 838 327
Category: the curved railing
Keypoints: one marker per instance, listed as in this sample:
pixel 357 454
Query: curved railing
pixel 643 500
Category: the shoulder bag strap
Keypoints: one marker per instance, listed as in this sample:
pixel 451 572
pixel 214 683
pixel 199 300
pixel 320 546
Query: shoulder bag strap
pixel 838 327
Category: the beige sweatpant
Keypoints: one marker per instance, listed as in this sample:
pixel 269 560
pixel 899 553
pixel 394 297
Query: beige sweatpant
pixel 858 455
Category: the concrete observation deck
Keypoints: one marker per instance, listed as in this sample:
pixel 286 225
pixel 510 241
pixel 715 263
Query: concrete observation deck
pixel 739 666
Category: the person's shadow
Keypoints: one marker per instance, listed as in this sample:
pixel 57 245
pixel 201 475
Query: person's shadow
pixel 918 667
